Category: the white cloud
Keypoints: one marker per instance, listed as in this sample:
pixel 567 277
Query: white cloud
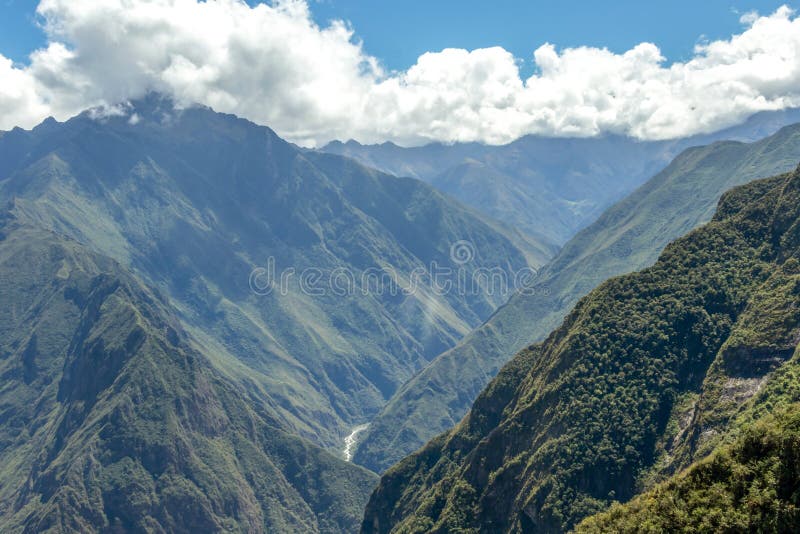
pixel 275 66
pixel 19 102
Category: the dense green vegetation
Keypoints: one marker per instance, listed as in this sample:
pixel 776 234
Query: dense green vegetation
pixel 115 420
pixel 752 485
pixel 628 236
pixel 598 411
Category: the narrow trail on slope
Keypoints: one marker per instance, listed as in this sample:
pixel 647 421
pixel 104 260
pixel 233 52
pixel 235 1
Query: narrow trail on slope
pixel 350 441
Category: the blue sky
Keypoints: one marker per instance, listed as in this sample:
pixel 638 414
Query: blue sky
pixel 398 32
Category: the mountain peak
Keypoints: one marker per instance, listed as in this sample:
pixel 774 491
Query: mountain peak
pixel 153 104
pixel 153 107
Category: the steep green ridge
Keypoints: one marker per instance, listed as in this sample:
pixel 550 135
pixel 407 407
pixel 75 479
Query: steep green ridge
pixel 752 485
pixel 193 201
pixel 584 419
pixel 628 236
pixel 549 187
pixel 114 420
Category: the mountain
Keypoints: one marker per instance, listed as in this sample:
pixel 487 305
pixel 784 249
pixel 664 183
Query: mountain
pixel 114 419
pixel 307 276
pixel 547 187
pixel 628 236
pixel 646 375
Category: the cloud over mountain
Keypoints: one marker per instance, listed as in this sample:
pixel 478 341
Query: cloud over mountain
pixel 274 65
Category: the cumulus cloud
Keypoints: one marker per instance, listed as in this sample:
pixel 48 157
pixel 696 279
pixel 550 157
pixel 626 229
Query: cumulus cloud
pixel 273 64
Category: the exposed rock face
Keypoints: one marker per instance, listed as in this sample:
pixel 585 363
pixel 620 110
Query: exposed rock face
pixel 754 362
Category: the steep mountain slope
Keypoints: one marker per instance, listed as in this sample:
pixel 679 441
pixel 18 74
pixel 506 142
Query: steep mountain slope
pixel 211 209
pixel 590 415
pixel 628 236
pixel 747 418
pixel 549 187
pixel 114 419
pixel 749 486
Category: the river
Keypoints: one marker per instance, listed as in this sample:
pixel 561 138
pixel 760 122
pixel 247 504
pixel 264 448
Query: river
pixel 350 441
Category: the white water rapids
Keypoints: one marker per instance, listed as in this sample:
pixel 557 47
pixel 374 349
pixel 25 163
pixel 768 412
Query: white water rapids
pixel 350 441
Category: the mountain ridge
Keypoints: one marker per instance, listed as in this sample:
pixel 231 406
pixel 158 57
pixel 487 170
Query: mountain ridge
pixel 561 183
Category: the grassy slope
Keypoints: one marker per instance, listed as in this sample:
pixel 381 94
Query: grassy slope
pixel 581 424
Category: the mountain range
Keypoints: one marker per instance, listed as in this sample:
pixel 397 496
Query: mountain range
pixel 194 201
pixel 549 188
pixel 201 319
